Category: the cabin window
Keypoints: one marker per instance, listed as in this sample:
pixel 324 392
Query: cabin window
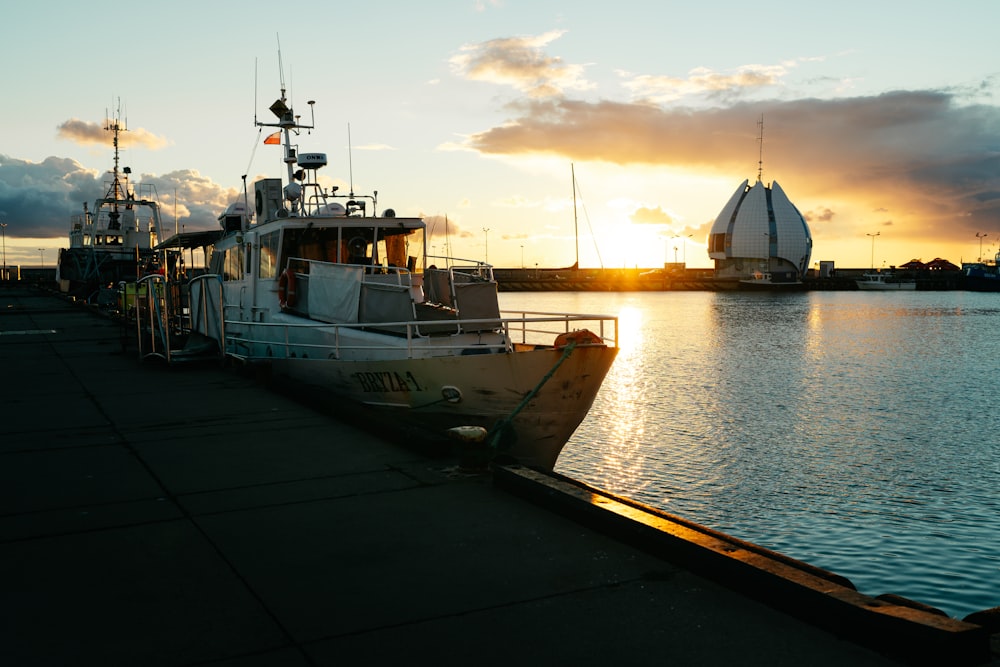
pixel 268 267
pixel 233 268
pixel 359 245
pixel 717 243
pixel 312 244
pixel 403 248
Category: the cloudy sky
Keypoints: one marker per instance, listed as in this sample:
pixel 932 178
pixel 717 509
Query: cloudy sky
pixel 878 117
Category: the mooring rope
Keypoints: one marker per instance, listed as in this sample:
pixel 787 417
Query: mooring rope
pixel 503 424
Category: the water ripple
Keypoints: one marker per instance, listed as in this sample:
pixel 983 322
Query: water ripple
pixel 850 430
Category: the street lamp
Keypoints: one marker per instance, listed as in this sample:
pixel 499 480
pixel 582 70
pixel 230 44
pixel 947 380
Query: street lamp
pixel 41 256
pixel 980 237
pixel 873 247
pixel 522 256
pixel 486 230
pixel 3 235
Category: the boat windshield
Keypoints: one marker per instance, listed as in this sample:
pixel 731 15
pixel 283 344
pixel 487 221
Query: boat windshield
pixel 399 247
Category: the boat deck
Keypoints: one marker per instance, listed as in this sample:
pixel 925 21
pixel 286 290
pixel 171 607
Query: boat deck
pixel 155 515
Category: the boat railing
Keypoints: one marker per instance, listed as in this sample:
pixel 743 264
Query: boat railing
pixel 168 312
pixel 155 312
pixel 538 328
pixel 370 273
pixel 389 294
pixel 526 329
pixel 467 267
pixel 286 343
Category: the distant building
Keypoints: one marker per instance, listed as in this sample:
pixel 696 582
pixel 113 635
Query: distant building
pixel 936 264
pixel 760 231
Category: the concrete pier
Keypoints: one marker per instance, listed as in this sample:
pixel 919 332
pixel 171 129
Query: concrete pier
pixel 175 516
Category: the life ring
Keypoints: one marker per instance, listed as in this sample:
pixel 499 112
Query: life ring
pixel 286 289
pixel 579 336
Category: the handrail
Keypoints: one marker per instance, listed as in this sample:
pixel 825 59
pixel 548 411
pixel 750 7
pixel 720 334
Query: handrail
pixel 610 338
pixel 507 327
pixel 369 269
pixel 158 323
pixel 161 320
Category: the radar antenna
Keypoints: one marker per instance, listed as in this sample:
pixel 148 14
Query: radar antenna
pixel 281 67
pixel 116 192
pixel 350 162
pixel 760 150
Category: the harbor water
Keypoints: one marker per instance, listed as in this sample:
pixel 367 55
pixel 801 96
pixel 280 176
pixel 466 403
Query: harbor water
pixel 856 431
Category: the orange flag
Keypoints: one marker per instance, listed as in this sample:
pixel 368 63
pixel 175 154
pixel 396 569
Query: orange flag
pixel 273 138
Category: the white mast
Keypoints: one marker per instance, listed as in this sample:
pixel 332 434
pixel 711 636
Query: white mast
pixel 576 231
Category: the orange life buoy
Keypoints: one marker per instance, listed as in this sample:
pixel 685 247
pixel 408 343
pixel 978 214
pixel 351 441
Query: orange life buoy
pixel 580 336
pixel 286 289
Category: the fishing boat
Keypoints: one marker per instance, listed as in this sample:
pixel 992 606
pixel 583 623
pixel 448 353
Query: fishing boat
pixel 112 241
pixel 765 280
pixel 982 276
pixel 343 302
pixel 885 281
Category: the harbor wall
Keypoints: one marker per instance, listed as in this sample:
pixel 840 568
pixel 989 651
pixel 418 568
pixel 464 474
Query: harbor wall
pixel 680 278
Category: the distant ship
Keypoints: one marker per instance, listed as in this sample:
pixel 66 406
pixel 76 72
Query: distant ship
pixel 982 276
pixel 885 281
pixel 766 280
pixel 113 241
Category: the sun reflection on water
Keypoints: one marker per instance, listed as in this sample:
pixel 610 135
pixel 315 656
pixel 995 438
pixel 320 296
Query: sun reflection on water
pixel 620 406
pixel 802 423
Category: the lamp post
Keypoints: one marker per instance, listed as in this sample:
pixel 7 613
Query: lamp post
pixel 873 247
pixel 3 235
pixel 685 242
pixel 486 231
pixel 522 256
pixel 980 237
pixel 674 239
pixel 41 256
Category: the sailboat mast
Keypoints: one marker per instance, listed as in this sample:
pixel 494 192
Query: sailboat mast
pixel 576 231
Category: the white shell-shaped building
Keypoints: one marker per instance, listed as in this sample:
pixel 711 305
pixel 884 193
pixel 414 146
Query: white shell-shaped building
pixel 760 231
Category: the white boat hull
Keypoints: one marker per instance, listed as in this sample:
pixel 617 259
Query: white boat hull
pixel 426 397
pixel 348 306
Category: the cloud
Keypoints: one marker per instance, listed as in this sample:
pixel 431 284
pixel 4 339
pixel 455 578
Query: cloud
pixel 483 5
pixel 86 133
pixel 199 200
pixel 39 198
pixel 703 81
pixel 821 215
pixel 924 155
pixel 654 216
pixel 521 63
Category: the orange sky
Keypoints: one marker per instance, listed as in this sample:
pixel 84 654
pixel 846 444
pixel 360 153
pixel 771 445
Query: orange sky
pixel 882 121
